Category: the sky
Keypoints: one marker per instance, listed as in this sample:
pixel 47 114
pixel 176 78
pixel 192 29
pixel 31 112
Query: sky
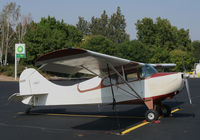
pixel 181 13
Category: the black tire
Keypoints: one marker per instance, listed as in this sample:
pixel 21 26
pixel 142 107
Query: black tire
pixel 159 110
pixel 166 110
pixel 151 115
pixel 28 110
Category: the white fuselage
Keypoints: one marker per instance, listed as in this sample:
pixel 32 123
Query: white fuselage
pixel 95 90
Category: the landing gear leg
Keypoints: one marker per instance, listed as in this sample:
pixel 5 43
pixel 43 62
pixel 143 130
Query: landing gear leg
pixel 152 114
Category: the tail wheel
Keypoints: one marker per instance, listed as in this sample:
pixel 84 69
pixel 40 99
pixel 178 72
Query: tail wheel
pixel 166 110
pixel 151 115
pixel 28 110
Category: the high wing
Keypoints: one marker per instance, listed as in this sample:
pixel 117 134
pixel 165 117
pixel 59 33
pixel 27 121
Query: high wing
pixel 74 60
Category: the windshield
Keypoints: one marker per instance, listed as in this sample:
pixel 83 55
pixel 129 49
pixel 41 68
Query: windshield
pixel 147 71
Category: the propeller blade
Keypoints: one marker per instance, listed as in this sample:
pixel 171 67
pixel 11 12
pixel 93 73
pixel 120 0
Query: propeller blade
pixel 188 90
pixel 183 65
pixel 185 77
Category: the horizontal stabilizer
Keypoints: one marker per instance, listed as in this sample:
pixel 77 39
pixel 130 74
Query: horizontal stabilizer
pixel 17 97
pixel 167 65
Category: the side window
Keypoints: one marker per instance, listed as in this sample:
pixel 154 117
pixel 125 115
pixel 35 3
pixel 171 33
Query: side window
pixel 106 81
pixel 132 77
pixel 129 76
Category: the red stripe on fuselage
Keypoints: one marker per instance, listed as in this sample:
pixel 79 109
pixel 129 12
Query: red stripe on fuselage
pixel 161 74
pixel 103 86
pixel 156 99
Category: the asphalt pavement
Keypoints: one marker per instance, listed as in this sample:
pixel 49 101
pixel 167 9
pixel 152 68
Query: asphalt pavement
pixel 93 122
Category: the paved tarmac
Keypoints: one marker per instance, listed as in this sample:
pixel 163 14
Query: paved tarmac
pixel 97 122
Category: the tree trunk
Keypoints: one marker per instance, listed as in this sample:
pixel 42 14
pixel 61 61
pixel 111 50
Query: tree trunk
pixel 7 39
pixel 2 46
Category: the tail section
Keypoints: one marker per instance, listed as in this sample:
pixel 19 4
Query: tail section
pixel 33 88
pixel 32 82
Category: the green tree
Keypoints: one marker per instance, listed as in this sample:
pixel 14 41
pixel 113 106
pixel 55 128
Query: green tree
pixel 196 46
pixel 100 44
pixel 158 55
pixel 117 27
pixel 176 57
pixel 162 34
pixel 146 31
pixel 133 50
pixel 99 26
pixel 165 40
pixel 49 35
pixel 74 36
pixel 114 27
pixel 83 26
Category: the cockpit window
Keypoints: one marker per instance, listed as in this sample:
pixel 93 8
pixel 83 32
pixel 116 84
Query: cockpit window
pixel 147 71
pixel 106 81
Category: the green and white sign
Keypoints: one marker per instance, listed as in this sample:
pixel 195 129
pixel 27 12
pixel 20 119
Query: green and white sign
pixel 20 50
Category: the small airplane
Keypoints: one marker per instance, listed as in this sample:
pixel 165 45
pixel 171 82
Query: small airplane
pixel 116 81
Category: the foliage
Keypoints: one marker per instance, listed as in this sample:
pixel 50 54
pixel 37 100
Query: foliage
pixel 74 36
pixel 8 19
pixel 83 26
pixel 196 46
pixel 133 50
pixel 164 41
pixel 163 34
pixel 112 27
pixel 159 55
pixel 177 55
pixel 13 27
pixel 48 35
pixel 116 27
pixel 99 26
pixel 10 69
pixel 99 44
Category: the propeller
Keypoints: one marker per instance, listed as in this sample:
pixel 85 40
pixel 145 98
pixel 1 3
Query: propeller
pixel 185 78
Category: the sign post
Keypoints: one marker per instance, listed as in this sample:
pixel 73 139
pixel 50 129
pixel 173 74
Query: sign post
pixel 20 52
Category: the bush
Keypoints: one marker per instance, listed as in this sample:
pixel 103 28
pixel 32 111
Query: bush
pixel 10 69
pixel 10 72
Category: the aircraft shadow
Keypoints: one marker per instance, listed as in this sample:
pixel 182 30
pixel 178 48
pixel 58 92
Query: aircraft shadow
pixel 115 121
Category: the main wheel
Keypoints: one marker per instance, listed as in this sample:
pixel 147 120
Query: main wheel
pixel 166 110
pixel 151 115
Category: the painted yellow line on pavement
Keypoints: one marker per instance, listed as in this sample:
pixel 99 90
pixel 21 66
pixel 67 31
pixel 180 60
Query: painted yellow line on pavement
pixel 142 124
pixel 95 116
pixel 175 110
pixel 133 128
pixel 75 115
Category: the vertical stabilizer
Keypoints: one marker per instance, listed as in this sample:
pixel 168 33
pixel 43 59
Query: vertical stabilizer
pixel 32 82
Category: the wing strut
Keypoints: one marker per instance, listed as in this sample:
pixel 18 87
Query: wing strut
pixel 113 96
pixel 123 73
pixel 90 71
pixel 114 101
pixel 121 77
pixel 43 65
